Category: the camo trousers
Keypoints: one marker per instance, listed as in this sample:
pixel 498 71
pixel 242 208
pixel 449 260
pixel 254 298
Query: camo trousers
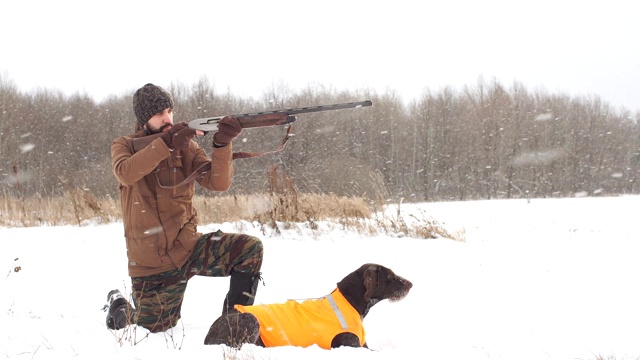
pixel 158 298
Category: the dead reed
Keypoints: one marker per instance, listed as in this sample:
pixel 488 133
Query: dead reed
pixel 279 207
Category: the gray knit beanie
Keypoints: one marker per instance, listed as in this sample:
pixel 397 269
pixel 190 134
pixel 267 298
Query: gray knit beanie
pixel 150 100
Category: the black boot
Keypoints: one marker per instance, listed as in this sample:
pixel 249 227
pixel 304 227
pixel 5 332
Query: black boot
pixel 242 290
pixel 119 313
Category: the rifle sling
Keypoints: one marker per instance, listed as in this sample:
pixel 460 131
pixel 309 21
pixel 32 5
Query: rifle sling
pixel 237 155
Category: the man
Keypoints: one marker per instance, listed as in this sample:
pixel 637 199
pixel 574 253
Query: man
pixel 164 249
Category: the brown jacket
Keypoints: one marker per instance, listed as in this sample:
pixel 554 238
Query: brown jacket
pixel 160 221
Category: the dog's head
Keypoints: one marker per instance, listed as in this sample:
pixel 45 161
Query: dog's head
pixel 372 283
pixel 382 283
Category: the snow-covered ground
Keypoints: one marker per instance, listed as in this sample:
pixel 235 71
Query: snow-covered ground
pixel 539 279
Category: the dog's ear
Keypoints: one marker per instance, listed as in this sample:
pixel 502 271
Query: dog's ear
pixel 370 280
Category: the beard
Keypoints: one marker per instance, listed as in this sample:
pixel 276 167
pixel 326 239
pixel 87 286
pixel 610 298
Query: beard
pixel 159 130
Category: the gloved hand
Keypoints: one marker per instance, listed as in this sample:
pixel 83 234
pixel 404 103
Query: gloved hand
pixel 228 129
pixel 179 136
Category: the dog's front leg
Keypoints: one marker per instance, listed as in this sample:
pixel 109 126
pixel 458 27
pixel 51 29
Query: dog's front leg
pixel 345 339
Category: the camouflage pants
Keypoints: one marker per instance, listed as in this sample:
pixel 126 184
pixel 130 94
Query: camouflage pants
pixel 158 298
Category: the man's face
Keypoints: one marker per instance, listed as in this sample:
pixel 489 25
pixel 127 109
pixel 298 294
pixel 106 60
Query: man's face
pixel 160 122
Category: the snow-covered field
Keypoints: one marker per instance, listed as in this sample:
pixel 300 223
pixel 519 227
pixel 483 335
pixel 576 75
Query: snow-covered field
pixel 545 279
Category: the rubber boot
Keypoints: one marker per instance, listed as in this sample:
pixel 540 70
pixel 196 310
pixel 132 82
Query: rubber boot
pixel 242 291
pixel 119 313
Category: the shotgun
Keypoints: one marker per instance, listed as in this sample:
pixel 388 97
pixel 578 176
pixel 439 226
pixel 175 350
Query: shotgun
pixel 254 120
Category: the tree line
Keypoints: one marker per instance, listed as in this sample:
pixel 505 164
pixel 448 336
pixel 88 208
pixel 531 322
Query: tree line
pixel 485 141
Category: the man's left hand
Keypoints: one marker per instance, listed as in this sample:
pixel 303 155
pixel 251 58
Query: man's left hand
pixel 228 129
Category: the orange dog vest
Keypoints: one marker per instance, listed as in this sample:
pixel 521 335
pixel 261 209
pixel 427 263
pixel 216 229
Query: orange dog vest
pixel 314 321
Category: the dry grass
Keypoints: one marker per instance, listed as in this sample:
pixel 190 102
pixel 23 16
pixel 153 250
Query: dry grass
pixel 279 207
pixel 81 208
pixel 265 208
pixel 76 207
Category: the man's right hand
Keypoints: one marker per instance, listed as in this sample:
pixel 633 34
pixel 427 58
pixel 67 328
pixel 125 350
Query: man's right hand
pixel 179 136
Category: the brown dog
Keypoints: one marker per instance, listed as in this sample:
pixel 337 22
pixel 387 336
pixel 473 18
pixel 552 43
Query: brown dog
pixel 331 321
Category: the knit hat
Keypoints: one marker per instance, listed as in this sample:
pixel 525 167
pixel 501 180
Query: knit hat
pixel 150 100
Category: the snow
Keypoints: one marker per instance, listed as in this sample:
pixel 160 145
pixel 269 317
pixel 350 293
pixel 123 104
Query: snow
pixel 535 279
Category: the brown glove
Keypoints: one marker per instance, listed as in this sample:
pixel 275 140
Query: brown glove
pixel 179 136
pixel 228 129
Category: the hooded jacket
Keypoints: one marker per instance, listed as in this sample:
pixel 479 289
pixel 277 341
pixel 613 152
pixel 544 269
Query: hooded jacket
pixel 159 220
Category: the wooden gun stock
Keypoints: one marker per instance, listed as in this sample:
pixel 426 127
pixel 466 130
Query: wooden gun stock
pixel 142 142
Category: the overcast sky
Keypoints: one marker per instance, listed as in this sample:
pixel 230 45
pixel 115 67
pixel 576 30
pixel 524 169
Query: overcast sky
pixel 113 47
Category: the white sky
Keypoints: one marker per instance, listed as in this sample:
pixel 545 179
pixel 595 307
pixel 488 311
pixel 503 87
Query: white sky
pixel 113 47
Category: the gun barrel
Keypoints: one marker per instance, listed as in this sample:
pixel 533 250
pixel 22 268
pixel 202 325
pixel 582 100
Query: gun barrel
pixel 275 117
pixel 310 109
